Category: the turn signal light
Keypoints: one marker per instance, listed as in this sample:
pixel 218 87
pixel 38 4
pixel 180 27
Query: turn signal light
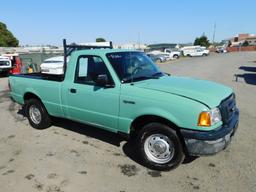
pixel 204 119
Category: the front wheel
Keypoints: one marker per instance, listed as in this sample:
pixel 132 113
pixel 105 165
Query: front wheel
pixel 159 61
pixel 159 147
pixel 37 114
pixel 4 73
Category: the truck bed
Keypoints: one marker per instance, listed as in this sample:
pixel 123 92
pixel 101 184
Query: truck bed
pixel 47 88
pixel 41 76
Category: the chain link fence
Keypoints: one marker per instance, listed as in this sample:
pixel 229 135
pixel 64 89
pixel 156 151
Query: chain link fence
pixel 33 60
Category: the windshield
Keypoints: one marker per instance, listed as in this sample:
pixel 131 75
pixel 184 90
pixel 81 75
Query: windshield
pixel 133 66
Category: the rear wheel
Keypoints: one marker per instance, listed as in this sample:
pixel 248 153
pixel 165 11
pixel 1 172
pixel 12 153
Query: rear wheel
pixel 176 56
pixel 159 147
pixel 37 114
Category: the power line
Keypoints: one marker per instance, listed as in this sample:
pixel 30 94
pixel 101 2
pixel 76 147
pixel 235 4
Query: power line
pixel 214 31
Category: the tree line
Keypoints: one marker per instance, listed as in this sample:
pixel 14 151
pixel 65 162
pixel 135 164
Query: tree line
pixel 7 39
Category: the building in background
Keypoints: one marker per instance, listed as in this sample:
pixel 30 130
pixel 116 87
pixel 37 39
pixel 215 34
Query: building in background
pixel 251 40
pixel 239 39
pixel 163 46
pixel 130 46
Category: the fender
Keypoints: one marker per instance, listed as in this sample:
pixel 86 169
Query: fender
pixel 125 124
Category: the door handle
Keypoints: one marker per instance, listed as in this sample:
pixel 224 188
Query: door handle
pixel 72 90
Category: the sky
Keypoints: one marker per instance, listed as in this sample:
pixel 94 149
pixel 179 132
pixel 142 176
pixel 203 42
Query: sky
pixel 44 22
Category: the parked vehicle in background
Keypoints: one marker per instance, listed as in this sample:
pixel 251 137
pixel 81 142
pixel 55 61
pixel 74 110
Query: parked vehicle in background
pixel 157 58
pixel 205 52
pixel 124 92
pixel 174 54
pixel 5 65
pixel 16 63
pixel 188 48
pixel 221 49
pixel 167 53
pixel 194 51
pixel 162 54
pixel 53 66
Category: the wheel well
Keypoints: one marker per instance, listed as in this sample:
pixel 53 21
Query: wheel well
pixel 145 119
pixel 139 122
pixel 28 96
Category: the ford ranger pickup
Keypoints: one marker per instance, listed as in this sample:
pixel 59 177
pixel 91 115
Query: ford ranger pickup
pixel 123 91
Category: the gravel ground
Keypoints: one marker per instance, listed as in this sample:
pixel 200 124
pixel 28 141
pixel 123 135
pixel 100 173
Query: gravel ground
pixel 74 157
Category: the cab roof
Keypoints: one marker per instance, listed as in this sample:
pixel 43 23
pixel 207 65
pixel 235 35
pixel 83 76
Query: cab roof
pixel 102 51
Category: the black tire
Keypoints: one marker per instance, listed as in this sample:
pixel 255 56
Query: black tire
pixel 176 56
pixel 159 61
pixel 45 120
pixel 148 131
pixel 204 54
pixel 4 74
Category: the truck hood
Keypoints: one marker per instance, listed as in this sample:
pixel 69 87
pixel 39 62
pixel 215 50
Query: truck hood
pixel 206 92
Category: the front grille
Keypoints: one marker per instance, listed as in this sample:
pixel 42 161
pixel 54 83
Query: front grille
pixel 227 108
pixel 4 63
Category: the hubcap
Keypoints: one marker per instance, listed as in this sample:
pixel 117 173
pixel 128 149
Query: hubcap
pixel 35 114
pixel 159 148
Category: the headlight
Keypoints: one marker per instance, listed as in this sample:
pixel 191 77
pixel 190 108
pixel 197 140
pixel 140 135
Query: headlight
pixel 215 116
pixel 209 118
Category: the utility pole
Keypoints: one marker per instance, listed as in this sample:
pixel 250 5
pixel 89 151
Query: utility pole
pixel 139 39
pixel 214 30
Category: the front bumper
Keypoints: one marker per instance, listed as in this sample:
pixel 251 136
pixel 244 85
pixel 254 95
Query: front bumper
pixel 210 142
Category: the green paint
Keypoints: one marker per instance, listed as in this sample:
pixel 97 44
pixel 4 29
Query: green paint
pixel 177 99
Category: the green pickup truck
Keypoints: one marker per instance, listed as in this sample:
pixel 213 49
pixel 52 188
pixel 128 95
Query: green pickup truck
pixel 124 92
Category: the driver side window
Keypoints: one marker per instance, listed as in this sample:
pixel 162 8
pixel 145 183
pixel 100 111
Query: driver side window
pixel 89 68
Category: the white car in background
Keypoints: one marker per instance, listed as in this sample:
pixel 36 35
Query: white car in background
pixel 168 54
pixel 174 54
pixel 157 58
pixel 5 64
pixel 53 66
pixel 195 51
pixel 163 54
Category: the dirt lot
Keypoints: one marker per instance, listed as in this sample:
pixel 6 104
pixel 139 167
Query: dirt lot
pixel 73 157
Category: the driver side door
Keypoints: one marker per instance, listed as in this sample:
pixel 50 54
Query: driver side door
pixel 89 103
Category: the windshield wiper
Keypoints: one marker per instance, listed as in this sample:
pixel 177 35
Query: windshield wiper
pixel 140 78
pixel 157 74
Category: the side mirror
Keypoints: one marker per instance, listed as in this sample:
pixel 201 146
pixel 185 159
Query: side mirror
pixel 102 80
